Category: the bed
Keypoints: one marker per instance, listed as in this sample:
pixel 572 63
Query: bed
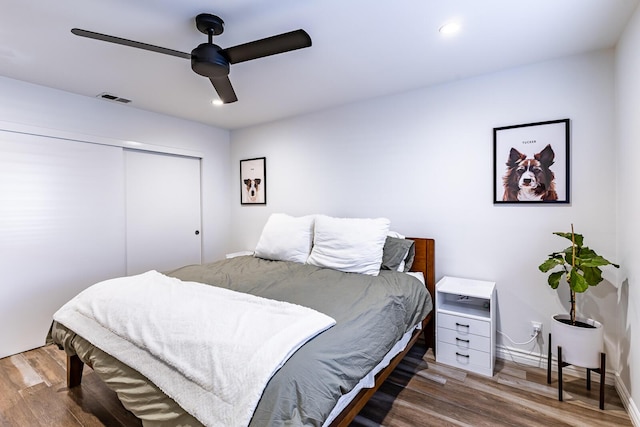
pixel 327 380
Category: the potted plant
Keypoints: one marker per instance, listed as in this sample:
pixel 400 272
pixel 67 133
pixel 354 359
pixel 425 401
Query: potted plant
pixel 581 339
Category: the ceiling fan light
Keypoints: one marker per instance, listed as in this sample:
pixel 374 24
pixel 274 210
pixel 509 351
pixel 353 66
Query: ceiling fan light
pixel 217 102
pixel 449 28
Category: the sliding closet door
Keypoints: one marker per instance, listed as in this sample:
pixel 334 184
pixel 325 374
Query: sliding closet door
pixel 61 229
pixel 163 212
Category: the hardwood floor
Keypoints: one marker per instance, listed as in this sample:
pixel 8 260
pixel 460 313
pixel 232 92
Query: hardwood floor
pixel 33 393
pixel 420 392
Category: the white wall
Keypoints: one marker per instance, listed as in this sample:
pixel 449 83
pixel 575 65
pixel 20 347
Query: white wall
pixel 34 105
pixel 628 127
pixel 424 159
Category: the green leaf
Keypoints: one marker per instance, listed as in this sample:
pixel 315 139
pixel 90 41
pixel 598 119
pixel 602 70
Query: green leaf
pixel 577 282
pixel 593 275
pixel 550 263
pixel 554 279
pixel 591 259
pixel 568 255
pixel 578 237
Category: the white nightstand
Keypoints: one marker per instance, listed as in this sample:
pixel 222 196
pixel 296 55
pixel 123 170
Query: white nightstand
pixel 466 324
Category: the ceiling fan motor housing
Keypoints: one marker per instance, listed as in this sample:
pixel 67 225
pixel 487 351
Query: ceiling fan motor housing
pixel 207 61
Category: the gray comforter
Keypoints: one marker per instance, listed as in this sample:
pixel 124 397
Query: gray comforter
pixel 371 313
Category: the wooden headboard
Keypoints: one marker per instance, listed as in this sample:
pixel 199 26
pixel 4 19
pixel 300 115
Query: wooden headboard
pixel 425 261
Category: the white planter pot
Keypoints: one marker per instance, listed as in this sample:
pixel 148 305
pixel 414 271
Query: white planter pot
pixel 580 346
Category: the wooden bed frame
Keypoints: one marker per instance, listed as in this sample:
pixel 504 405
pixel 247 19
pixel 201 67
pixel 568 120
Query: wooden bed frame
pixel 424 262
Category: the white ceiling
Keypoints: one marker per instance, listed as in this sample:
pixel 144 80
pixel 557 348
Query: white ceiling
pixel 361 48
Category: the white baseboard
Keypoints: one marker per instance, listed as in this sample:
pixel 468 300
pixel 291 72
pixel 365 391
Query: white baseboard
pixel 540 360
pixel 628 402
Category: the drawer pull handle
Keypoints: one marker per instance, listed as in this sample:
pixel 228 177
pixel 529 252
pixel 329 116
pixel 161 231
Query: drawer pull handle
pixel 460 339
pixel 462 355
pixel 460 324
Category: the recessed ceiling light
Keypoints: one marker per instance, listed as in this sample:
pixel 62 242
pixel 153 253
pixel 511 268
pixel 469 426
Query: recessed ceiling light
pixel 217 102
pixel 449 28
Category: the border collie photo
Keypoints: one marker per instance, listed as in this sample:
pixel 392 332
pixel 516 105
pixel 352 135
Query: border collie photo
pixel 530 179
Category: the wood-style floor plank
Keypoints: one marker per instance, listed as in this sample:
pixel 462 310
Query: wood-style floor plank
pixel 420 392
pixel 33 392
pixel 429 394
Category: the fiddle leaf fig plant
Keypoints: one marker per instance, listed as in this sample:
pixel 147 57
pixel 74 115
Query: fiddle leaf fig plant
pixel 579 264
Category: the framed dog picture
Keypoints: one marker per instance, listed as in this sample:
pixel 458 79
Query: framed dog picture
pixel 253 181
pixel 531 163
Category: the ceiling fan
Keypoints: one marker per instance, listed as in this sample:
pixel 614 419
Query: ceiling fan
pixel 210 60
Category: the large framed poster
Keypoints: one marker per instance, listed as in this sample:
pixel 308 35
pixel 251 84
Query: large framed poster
pixel 531 163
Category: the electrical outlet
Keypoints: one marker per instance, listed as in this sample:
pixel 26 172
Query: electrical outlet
pixel 537 328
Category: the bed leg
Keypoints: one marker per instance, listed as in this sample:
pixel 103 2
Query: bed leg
pixel 429 335
pixel 74 371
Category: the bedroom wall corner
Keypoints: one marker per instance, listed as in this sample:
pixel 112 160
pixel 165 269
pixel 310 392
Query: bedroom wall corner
pixel 627 68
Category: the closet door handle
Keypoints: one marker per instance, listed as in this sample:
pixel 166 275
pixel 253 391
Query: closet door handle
pixel 197 232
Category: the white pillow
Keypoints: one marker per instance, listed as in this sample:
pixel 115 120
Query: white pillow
pixel 353 245
pixel 396 235
pixel 286 238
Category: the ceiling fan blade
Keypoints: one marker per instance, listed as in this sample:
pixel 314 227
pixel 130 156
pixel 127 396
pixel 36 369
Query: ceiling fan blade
pixel 130 43
pixel 222 85
pixel 273 45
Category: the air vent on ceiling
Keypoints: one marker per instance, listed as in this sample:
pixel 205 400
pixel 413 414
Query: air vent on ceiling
pixel 111 97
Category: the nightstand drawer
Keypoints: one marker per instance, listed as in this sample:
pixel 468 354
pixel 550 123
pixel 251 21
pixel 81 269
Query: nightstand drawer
pixel 464 325
pixel 473 360
pixel 464 341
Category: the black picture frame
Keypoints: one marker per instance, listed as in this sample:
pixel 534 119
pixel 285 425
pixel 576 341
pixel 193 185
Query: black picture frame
pixel 531 163
pixel 253 181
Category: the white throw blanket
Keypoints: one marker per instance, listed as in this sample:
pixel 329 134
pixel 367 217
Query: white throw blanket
pixel 210 349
